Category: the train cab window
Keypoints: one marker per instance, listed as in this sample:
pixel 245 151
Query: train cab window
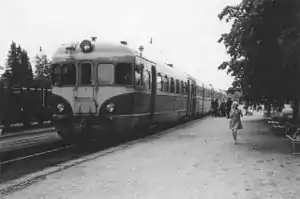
pixel 138 71
pixel 105 73
pixel 63 74
pixel 149 80
pixel 86 73
pixel 146 78
pixel 159 82
pixel 123 74
pixel 172 86
pixel 177 86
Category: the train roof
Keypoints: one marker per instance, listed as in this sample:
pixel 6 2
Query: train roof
pixel 200 82
pixel 104 49
pixel 171 71
pixel 100 49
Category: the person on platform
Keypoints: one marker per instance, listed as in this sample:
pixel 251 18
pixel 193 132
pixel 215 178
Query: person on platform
pixel 228 107
pixel 235 120
pixel 214 107
pixel 223 109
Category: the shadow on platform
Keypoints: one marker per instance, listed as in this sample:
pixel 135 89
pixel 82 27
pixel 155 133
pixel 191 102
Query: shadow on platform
pixel 258 136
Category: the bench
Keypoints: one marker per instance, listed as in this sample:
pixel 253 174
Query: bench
pixel 295 145
pixel 278 129
pixel 292 127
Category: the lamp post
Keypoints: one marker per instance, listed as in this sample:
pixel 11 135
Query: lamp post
pixel 141 49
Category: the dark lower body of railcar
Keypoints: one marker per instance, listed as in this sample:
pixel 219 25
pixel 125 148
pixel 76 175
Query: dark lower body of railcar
pixel 146 111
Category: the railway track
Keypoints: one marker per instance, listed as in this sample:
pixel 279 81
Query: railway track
pixel 35 155
pixel 26 132
pixel 25 140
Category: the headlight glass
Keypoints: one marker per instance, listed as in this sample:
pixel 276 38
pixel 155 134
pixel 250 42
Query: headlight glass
pixel 60 107
pixel 110 107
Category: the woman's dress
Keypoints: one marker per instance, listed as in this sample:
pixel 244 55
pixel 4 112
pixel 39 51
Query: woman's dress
pixel 235 121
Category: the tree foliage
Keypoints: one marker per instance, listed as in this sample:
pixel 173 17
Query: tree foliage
pixel 18 67
pixel 263 44
pixel 42 66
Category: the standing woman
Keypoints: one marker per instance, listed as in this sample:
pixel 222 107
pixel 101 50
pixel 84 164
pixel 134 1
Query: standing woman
pixel 235 121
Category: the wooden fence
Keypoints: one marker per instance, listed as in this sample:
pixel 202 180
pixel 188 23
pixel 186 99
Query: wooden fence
pixel 23 105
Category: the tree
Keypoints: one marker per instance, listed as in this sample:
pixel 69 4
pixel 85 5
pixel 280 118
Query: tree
pixel 18 68
pixel 26 68
pixel 11 61
pixel 263 44
pixel 42 66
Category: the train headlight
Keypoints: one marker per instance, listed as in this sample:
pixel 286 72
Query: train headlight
pixel 110 107
pixel 60 107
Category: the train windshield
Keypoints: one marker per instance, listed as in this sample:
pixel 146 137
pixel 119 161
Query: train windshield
pixel 120 74
pixel 64 75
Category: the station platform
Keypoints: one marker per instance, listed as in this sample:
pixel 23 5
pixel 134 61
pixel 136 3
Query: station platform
pixel 194 160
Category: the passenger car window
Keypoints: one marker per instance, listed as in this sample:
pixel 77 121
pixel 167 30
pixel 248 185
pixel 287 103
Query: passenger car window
pixel 177 86
pixel 159 82
pixel 172 86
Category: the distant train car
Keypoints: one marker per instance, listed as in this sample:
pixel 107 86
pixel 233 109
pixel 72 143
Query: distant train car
pixel 102 88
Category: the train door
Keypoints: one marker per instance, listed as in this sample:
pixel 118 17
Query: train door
pixel 84 92
pixel 153 92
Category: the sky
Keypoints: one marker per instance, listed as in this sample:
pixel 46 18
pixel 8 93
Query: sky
pixel 184 32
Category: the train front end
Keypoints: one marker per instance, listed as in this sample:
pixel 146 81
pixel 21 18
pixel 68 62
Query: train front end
pixel 92 83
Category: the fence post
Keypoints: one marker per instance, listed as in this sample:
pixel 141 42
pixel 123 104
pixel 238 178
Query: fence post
pixel 5 103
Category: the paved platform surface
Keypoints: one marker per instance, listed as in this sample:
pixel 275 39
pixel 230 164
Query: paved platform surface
pixel 196 160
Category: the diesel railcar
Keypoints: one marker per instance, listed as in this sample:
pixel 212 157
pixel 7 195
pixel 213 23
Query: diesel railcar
pixel 103 88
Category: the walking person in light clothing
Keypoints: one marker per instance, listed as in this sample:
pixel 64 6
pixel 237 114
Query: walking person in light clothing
pixel 235 120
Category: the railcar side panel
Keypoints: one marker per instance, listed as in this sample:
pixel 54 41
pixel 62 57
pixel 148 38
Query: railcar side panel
pixel 170 107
